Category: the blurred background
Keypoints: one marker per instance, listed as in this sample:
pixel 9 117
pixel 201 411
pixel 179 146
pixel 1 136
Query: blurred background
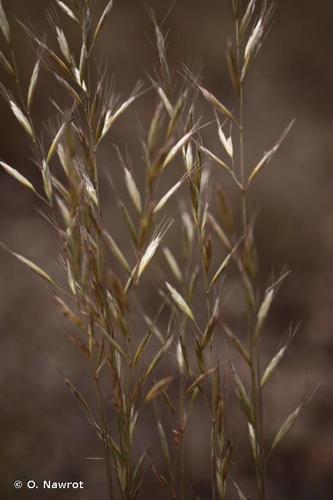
pixel 44 434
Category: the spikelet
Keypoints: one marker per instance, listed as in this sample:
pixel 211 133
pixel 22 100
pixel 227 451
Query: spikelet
pixel 166 197
pixel 33 84
pixel 226 143
pixel 180 301
pixel 133 190
pixel 67 10
pixel 19 177
pixel 21 118
pixel 148 255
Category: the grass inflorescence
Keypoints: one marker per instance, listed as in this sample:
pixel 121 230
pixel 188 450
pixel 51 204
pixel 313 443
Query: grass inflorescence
pixel 206 358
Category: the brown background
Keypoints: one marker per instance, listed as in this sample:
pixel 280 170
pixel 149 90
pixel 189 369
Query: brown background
pixel 43 434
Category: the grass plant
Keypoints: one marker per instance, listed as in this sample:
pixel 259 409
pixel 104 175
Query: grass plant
pixel 123 344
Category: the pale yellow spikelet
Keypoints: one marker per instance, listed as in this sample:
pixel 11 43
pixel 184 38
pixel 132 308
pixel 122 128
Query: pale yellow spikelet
pixel 33 84
pixel 226 142
pixel 166 197
pixel 148 255
pixel 180 301
pixel 19 177
pixel 63 44
pixel 68 11
pixel 55 142
pixel 133 190
pixel 21 118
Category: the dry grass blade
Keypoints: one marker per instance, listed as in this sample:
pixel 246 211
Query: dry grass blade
pixel 180 302
pixel 158 388
pixel 19 177
pixel 36 269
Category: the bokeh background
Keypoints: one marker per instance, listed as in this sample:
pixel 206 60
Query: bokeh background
pixel 43 433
